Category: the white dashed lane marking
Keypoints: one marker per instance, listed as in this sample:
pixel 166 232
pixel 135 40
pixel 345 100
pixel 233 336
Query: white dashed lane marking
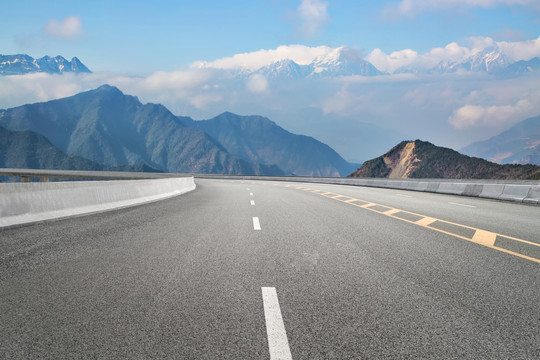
pixel 275 328
pixel 256 224
pixel 464 205
pixel 252 202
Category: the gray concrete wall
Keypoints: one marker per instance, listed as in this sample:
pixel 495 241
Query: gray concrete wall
pixel 23 203
pixel 517 191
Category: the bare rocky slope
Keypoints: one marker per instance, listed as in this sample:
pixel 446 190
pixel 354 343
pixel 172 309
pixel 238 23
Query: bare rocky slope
pixel 420 159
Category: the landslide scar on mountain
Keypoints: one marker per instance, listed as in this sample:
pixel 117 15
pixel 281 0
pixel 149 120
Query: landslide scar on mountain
pixel 402 163
pixel 421 159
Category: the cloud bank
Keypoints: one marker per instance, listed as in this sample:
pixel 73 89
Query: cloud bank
pixel 515 51
pixel 300 54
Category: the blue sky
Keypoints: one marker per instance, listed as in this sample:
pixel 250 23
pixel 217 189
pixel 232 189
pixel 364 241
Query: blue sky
pixel 152 49
pixel 141 37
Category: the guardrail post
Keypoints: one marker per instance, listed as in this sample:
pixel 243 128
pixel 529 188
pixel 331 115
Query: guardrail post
pixel 25 179
pixel 43 179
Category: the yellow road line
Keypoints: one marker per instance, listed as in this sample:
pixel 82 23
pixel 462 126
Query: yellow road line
pixel 391 212
pixel 365 206
pixel 425 222
pixel 480 237
pixel 484 238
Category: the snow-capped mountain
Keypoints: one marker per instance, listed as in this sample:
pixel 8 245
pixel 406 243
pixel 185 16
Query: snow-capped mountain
pixel 23 64
pixel 341 61
pixel 285 69
pixel 490 60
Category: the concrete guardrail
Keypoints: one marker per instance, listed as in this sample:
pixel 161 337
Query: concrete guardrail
pixel 24 203
pixel 517 191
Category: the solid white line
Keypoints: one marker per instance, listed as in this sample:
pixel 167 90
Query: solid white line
pixel 409 196
pixel 256 224
pixel 252 202
pixel 458 204
pixel 275 329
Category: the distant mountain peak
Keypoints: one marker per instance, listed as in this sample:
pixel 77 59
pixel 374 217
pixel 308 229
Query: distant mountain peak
pixel 343 61
pixel 518 145
pixel 21 64
pixel 491 59
pixel 108 88
pixel 284 69
pixel 257 138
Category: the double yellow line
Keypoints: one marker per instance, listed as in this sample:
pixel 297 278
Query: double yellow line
pixel 482 237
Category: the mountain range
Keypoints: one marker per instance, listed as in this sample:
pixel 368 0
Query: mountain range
pixel 113 129
pixel 344 61
pixel 518 145
pixel 420 159
pixel 23 64
pixel 258 139
pixel 341 61
pixel 490 60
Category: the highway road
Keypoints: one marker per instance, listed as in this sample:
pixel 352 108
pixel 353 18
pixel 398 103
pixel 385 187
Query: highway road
pixel 268 270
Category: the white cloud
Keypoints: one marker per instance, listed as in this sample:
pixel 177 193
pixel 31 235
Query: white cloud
pixel 414 7
pixel 313 16
pixel 177 81
pixel 257 83
pixel 254 60
pixel 521 50
pixel 390 63
pixel 497 116
pixel 452 51
pixel 195 87
pixel 69 28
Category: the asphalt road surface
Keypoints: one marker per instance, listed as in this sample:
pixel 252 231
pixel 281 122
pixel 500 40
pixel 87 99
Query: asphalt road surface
pixel 260 270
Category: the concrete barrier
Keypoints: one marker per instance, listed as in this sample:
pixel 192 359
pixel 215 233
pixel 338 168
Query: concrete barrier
pixel 515 192
pixel 533 197
pixel 23 203
pixel 525 191
pixel 491 191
